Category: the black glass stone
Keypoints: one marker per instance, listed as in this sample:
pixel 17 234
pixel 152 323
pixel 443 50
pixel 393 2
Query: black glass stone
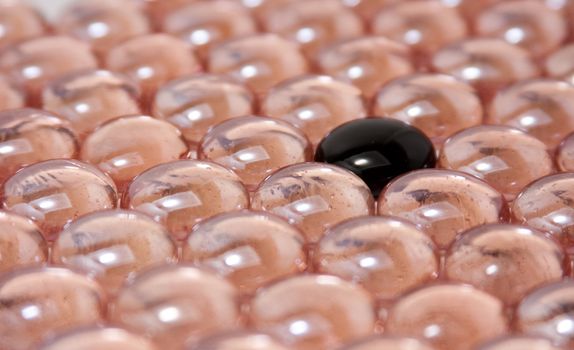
pixel 377 150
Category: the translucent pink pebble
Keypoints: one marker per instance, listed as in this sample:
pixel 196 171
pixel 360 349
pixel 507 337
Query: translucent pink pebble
pixel 315 104
pixel 560 64
pixel 367 62
pixel 443 203
pixel 258 61
pixel 182 193
pixel 548 205
pixel 448 316
pixel 314 197
pixel 438 104
pixel 239 341
pixel 113 245
pixel 126 147
pixel 195 103
pixel 248 248
pixel 505 260
pixel 565 154
pixel 313 24
pixel 158 10
pixel 176 304
pixel 546 311
pixel 388 343
pixel 317 312
pixel 254 147
pixel 470 9
pixel 28 136
pixel 89 98
pixel 204 24
pixel 103 24
pixel 55 192
pixel 488 64
pixel 18 22
pixel 520 342
pixel 98 339
pixel 505 157
pixel 10 96
pixel 35 62
pixel 152 60
pixel 21 242
pixel 529 24
pixel 259 8
pixel 37 303
pixel 367 9
pixel 385 255
pixel 542 108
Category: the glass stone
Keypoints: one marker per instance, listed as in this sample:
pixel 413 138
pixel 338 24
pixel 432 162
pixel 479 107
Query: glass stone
pixel 21 243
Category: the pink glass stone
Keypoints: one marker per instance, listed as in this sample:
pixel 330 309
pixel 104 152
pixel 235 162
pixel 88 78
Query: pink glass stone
pixel 98 339
pixel 529 24
pixel 488 64
pixel 10 96
pixel 448 316
pixel 18 22
pixel 425 26
pixel 548 205
pixel 28 136
pixel 250 249
pixel 55 192
pixel 367 9
pixel 89 98
pixel 175 304
pixel 204 24
pixel 313 24
pixel 316 312
pixel 259 8
pixel 388 343
pixel 103 23
pixel 196 103
pixel 158 10
pixel 443 203
pixel 182 193
pixel 240 341
pixel 560 64
pixel 385 255
pixel 315 104
pixel 520 342
pixel 113 245
pixel 21 242
pixel 367 62
pixel 314 197
pixel 152 60
pixel 507 158
pixel 254 147
pixel 547 311
pixel 126 147
pixel 37 303
pixel 542 108
pixel 259 61
pixel 565 154
pixel 505 260
pixel 34 62
pixel 438 104
pixel 470 9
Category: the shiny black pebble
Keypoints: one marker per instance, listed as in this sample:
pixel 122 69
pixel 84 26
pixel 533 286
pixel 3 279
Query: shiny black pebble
pixel 377 150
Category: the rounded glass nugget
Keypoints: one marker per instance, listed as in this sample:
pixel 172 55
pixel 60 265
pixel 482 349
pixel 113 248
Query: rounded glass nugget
pixel 113 246
pixel 18 22
pixel 314 197
pixel 10 96
pixel 55 192
pixel 254 147
pixel 239 341
pixel 313 312
pixel 21 243
pixel 248 248
pixel 174 305
pixel 38 303
pixel 560 64
pixel 98 339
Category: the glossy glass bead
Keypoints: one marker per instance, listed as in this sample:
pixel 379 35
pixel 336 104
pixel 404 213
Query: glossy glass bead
pixel 125 147
pixel 367 9
pixel 56 192
pixel 176 304
pixel 246 340
pixel 98 339
pixel 565 154
pixel 448 316
pixel 89 98
pixel 254 147
pixel 560 64
pixel 158 10
pixel 505 157
pixel 180 194
pixel 259 8
pixel 388 343
pixel 39 302
pixel 314 197
pixel 18 22
pixel 313 311
pixel 385 255
pixel 520 342
pixel 113 246
pixel 10 96
pixel 443 203
pixel 437 104
pixel 470 9
pixel 377 150
pixel 21 242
